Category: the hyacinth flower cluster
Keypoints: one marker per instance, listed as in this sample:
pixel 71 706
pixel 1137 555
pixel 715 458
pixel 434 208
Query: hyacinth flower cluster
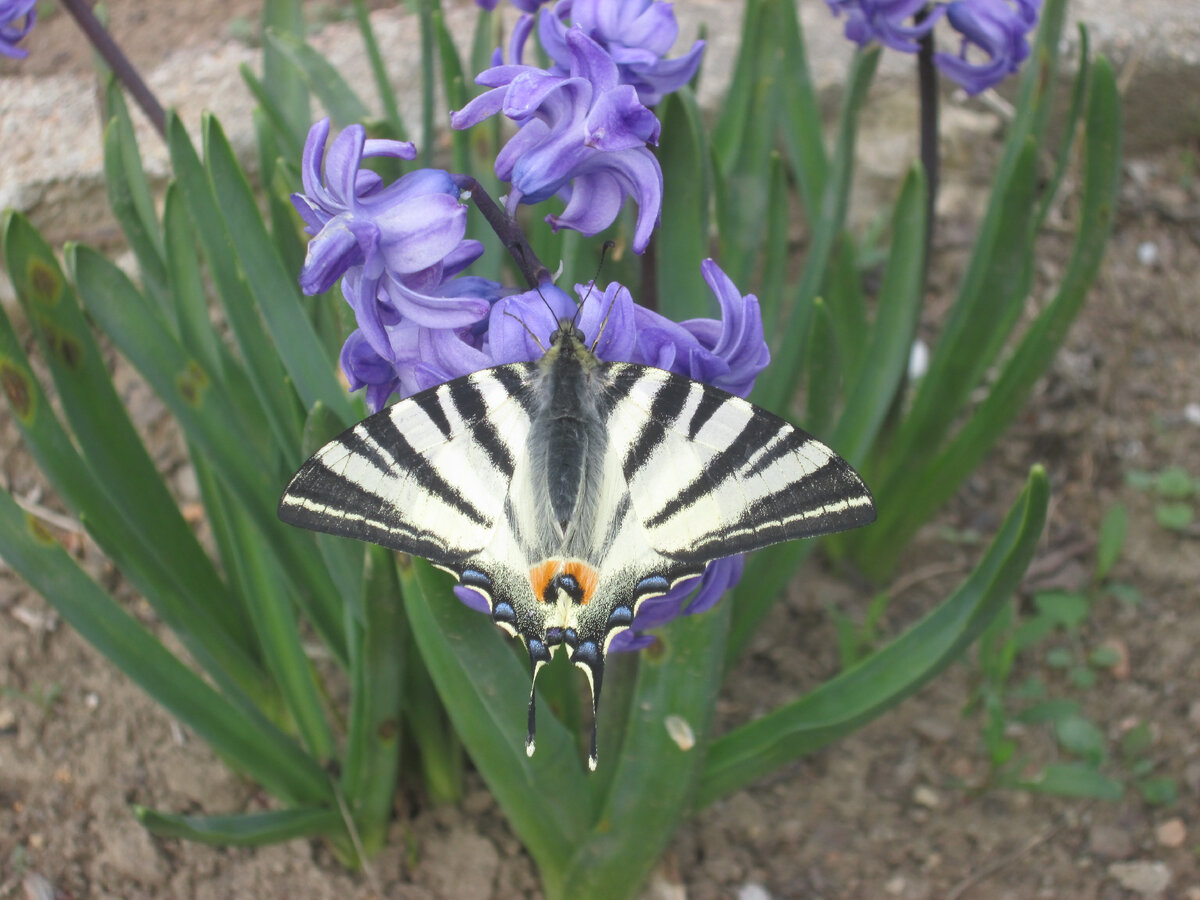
pixel 400 249
pixel 17 18
pixel 993 34
pixel 584 123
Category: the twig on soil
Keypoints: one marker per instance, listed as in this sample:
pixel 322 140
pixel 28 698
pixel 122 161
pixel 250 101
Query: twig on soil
pixel 996 865
pixel 917 576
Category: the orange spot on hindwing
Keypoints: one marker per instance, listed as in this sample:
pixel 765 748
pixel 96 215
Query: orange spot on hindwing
pixel 572 576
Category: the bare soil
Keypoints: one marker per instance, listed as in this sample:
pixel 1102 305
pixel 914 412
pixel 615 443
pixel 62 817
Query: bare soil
pixel 888 812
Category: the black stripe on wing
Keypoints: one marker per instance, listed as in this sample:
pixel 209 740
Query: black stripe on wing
pixel 322 500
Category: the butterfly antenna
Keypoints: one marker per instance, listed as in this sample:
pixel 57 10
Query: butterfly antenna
pixel 608 245
pixel 527 329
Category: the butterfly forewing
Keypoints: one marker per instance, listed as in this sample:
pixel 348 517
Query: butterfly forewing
pixel 714 475
pixel 428 476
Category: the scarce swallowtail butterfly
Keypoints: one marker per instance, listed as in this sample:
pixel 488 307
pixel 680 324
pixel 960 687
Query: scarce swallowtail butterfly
pixel 570 490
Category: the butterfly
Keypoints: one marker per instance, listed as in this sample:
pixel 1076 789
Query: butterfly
pixel 568 491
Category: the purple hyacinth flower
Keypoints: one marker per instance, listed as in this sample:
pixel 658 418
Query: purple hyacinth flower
pixel 526 6
pixel 583 136
pixel 17 18
pixel 888 21
pixel 728 353
pixel 420 355
pixel 393 245
pixel 997 30
pixel 637 34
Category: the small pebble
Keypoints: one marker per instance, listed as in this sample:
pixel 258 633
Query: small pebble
pixel 8 720
pixel 92 700
pixel 918 359
pixel 895 885
pixel 1191 414
pixel 927 797
pixel 1146 877
pixel 680 731
pixel 753 891
pixel 936 731
pixel 1171 833
pixel 1147 253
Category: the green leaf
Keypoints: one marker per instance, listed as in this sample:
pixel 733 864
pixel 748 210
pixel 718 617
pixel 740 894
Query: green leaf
pixel 263 365
pixel 245 829
pixel 1068 609
pixel 1033 631
pixel 884 679
pixel 215 634
pixel 823 369
pixel 377 662
pixel 1056 710
pixel 1174 483
pixel 990 299
pixel 1081 677
pixel 1111 539
pixel 777 384
pixel 111 447
pixel 891 335
pixel 1136 741
pixel 130 197
pixel 274 289
pixel 934 478
pixel 1141 480
pixel 1104 657
pixel 681 240
pixel 208 419
pixel 485 690
pixel 1075 780
pixel 331 89
pixel 288 94
pixel 1158 791
pixel 249 742
pixel 806 152
pixel 1060 658
pixel 660 760
pixel 1174 516
pixel 383 84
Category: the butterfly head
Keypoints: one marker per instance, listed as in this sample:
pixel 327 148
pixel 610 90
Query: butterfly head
pixel 566 334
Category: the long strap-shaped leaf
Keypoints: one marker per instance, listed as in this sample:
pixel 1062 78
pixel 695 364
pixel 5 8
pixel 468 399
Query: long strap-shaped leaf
pixel 249 742
pixel 939 475
pixel 660 761
pixel 485 689
pixel 210 422
pixel 879 682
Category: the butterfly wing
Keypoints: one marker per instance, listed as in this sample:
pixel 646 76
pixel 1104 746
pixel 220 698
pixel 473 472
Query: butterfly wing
pixel 428 476
pixel 711 475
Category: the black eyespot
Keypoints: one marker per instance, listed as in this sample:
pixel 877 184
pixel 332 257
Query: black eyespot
pixel 654 584
pixel 473 578
pixel 554 636
pixel 587 652
pixel 621 617
pixel 538 651
pixel 503 612
pixel 570 637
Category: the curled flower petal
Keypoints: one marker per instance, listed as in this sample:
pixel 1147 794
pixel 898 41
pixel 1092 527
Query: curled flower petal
pixel 884 21
pixel 993 28
pixel 583 136
pixel 17 18
pixel 636 34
